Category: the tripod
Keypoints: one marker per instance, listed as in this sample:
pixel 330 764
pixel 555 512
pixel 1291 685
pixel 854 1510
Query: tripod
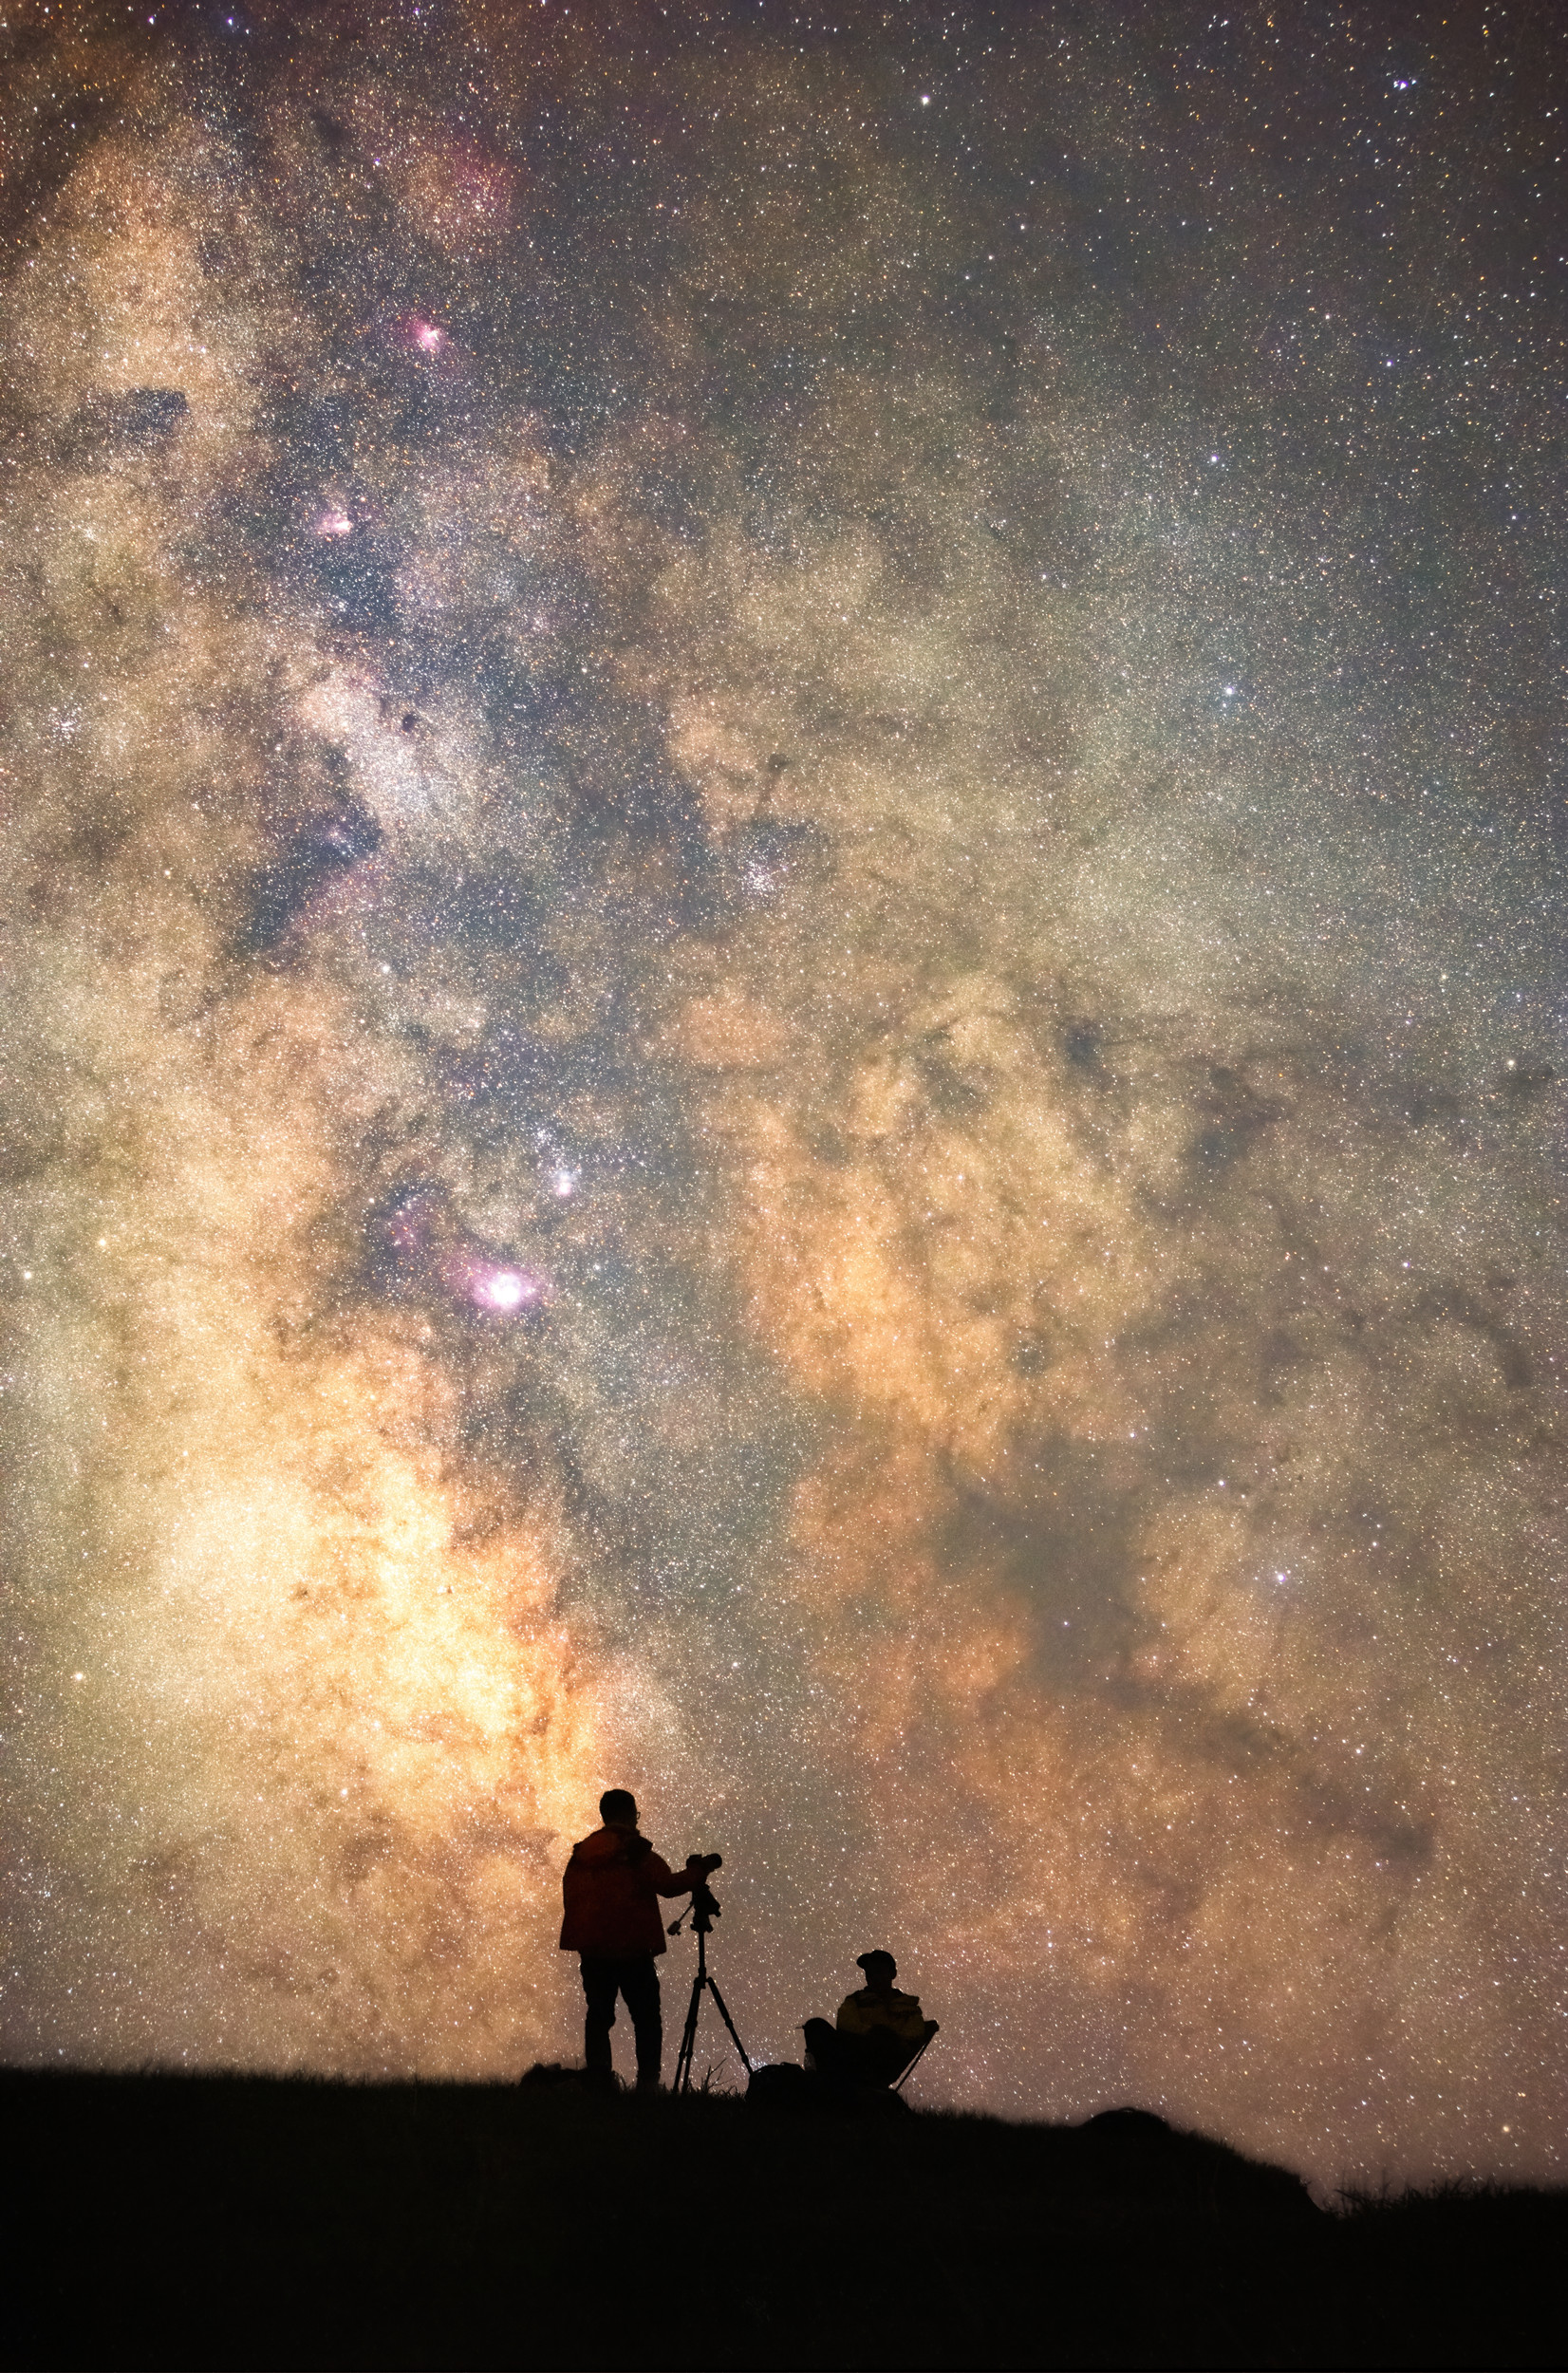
pixel 703 1911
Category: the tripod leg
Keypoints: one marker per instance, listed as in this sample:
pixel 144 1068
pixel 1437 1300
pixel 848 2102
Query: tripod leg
pixel 688 2038
pixel 730 2023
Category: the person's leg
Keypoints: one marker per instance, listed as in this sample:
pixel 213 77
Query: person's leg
pixel 599 1979
pixel 640 1985
pixel 820 2036
pixel 887 2055
pixel 839 2057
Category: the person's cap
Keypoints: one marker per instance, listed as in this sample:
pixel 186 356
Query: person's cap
pixel 869 1961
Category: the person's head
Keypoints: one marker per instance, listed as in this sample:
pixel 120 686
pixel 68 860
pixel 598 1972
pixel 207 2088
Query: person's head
pixel 618 1809
pixel 880 1968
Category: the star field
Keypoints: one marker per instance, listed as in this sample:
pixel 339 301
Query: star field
pixel 784 1022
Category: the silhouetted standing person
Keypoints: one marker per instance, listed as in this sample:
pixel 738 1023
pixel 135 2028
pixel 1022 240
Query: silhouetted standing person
pixel 612 1885
pixel 877 2032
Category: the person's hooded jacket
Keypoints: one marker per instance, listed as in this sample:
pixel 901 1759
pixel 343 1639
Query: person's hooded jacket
pixel 890 2013
pixel 612 1886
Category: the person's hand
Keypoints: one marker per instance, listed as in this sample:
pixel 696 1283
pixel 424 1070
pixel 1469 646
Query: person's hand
pixel 933 2026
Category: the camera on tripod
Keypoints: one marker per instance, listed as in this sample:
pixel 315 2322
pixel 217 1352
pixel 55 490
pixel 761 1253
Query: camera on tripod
pixel 703 1908
pixel 703 1911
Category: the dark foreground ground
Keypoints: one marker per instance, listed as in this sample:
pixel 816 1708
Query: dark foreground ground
pixel 212 2222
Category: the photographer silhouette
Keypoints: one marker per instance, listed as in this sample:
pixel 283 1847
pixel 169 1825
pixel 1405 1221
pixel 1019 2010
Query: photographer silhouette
pixel 613 1923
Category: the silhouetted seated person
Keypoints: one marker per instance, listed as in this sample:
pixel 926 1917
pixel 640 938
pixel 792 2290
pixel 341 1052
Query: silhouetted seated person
pixel 612 1885
pixel 876 2034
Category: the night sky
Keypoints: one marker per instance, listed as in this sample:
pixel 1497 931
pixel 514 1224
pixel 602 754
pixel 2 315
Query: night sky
pixel 785 999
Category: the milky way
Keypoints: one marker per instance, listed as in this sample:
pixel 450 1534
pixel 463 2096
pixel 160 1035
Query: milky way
pixel 784 1022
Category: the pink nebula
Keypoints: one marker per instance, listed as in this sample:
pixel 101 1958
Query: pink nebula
pixel 506 1291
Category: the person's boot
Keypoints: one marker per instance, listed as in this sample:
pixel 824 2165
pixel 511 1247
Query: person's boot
pixel 598 2066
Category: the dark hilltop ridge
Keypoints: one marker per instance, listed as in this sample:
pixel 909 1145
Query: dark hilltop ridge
pixel 208 2221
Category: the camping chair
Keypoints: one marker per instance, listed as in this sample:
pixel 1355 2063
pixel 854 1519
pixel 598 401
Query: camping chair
pixel 910 2067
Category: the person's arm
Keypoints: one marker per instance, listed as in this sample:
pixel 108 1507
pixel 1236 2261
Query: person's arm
pixel 852 2018
pixel 680 1882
